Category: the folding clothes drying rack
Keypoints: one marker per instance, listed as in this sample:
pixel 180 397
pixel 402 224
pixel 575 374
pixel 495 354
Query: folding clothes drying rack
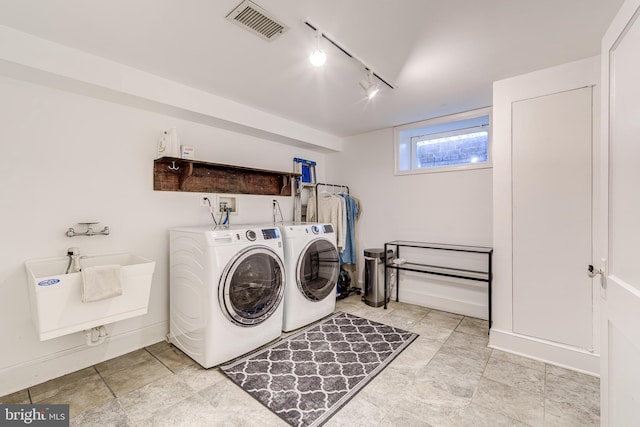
pixel 299 216
pixel 298 210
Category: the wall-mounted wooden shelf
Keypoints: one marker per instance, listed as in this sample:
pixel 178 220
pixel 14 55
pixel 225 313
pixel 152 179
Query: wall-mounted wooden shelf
pixel 173 174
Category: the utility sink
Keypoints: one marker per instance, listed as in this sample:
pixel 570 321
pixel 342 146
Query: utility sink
pixel 56 298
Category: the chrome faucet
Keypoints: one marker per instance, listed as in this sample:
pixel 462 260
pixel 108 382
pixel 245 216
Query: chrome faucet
pixel 89 230
pixel 74 260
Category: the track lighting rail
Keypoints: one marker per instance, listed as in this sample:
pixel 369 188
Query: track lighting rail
pixel 350 55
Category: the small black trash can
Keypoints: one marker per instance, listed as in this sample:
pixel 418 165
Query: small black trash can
pixel 374 276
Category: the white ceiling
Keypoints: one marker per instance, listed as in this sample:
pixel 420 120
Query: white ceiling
pixel 442 55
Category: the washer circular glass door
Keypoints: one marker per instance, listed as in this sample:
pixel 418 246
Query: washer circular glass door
pixel 318 270
pixel 251 286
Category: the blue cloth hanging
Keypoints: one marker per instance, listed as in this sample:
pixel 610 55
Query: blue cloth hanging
pixel 348 255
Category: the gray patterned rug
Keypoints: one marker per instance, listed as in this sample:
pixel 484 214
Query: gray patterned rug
pixel 309 376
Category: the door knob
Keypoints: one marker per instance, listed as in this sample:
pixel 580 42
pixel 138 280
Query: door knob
pixel 593 272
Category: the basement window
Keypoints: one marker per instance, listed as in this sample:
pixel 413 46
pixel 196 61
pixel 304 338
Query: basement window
pixel 456 142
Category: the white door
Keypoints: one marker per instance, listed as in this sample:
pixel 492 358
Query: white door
pixel 620 296
pixel 552 187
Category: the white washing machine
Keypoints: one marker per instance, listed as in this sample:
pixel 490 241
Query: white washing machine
pixel 226 290
pixel 312 264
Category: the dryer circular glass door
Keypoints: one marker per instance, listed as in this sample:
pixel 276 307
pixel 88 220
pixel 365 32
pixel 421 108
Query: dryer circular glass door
pixel 252 286
pixel 318 269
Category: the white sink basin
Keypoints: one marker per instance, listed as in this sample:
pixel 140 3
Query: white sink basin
pixel 56 297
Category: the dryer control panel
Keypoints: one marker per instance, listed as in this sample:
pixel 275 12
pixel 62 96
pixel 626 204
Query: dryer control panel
pixel 270 233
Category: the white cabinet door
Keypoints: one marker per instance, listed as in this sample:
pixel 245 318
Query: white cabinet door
pixel 620 347
pixel 552 202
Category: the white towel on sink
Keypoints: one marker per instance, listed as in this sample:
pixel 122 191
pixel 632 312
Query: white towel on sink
pixel 101 282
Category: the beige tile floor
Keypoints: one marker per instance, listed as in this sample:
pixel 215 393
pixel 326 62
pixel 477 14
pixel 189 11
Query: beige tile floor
pixel 447 377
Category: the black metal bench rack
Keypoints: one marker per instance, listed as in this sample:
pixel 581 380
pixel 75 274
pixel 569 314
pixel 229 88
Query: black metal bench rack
pixel 437 270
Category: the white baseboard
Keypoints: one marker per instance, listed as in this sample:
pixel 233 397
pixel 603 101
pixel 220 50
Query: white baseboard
pixel 546 351
pixel 37 371
pixel 464 308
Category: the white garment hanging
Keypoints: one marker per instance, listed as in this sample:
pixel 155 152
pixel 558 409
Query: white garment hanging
pixel 331 209
pixel 311 209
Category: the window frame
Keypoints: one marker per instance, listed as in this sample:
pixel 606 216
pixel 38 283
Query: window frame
pixel 486 111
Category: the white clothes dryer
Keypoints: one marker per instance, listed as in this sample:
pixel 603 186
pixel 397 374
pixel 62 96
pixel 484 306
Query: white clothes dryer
pixel 312 264
pixel 226 290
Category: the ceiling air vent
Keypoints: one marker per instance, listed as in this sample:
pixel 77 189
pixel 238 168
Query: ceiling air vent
pixel 252 17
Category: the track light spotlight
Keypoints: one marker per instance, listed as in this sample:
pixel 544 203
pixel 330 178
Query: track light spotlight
pixel 318 57
pixel 370 90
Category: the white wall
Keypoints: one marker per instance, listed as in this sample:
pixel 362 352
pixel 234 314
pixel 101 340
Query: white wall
pixel 552 80
pixel 69 158
pixel 448 207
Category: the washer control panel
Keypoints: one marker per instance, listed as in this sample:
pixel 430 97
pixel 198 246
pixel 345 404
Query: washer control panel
pixel 322 228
